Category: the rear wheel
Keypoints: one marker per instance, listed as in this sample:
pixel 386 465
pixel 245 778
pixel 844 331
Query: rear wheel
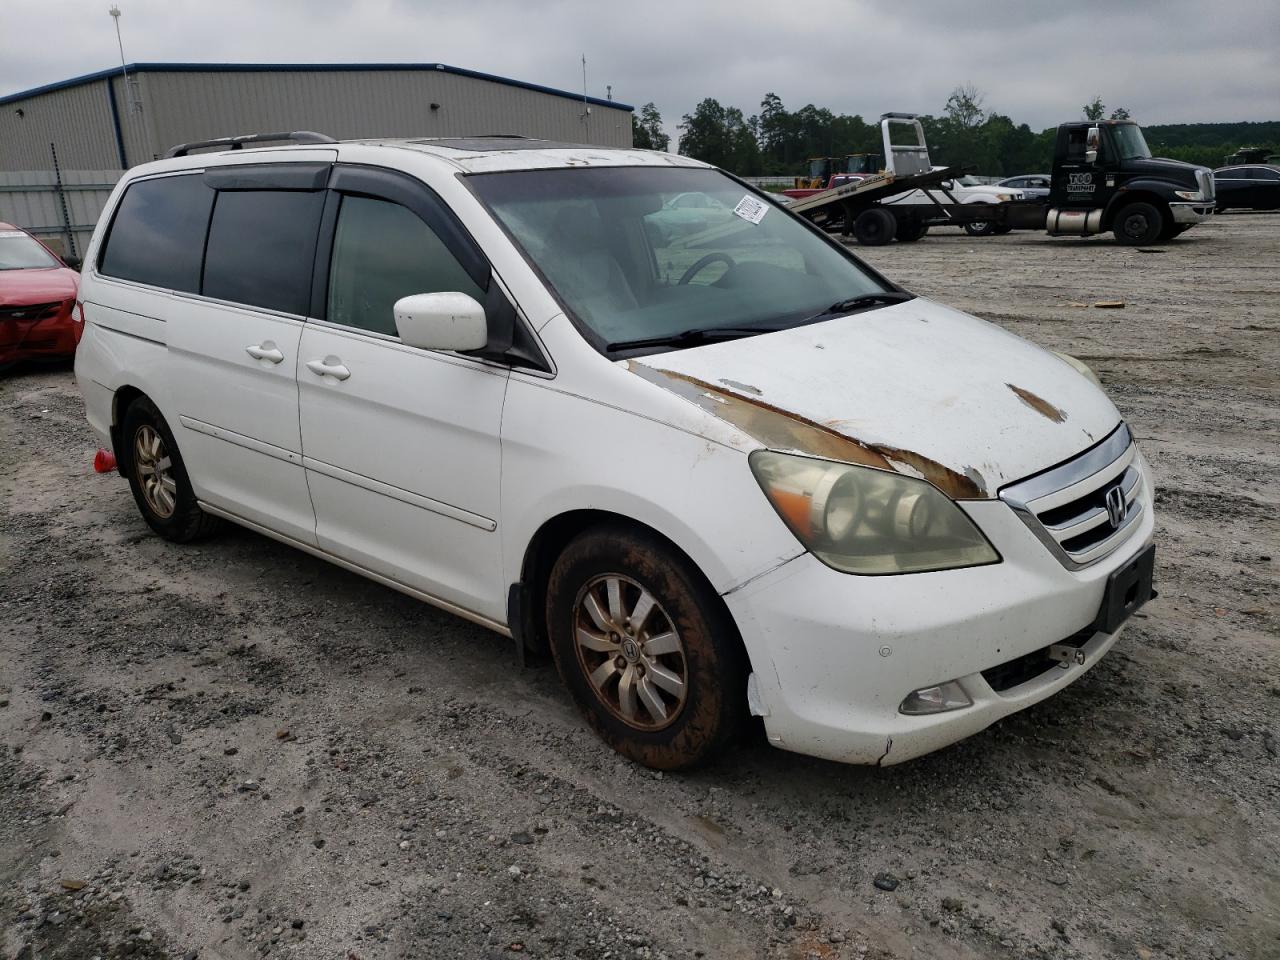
pixel 909 231
pixel 875 227
pixel 158 477
pixel 1138 223
pixel 645 650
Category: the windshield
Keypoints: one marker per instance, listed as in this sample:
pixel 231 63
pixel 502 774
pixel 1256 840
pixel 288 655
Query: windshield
pixel 1129 141
pixel 18 251
pixel 645 252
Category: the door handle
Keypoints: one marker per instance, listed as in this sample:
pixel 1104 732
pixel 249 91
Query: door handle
pixel 330 366
pixel 266 350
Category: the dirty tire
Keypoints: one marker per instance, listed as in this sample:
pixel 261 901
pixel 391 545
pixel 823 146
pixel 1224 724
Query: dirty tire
pixel 714 710
pixel 1138 224
pixel 186 522
pixel 875 227
pixel 909 231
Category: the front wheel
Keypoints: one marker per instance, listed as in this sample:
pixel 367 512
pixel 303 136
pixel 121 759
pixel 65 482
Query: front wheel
pixel 647 653
pixel 158 477
pixel 1138 223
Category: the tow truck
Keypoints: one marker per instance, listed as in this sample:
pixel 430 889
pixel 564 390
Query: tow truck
pixel 1104 179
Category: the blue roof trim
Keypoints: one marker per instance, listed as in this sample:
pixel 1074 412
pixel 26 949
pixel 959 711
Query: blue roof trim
pixel 305 68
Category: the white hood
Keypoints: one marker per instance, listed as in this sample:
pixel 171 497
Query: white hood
pixel 916 387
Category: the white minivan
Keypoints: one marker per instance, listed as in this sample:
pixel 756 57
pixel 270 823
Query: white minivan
pixel 718 473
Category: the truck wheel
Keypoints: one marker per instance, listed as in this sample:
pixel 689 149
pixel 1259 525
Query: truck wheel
pixel 875 227
pixel 644 648
pixel 158 477
pixel 909 231
pixel 1137 224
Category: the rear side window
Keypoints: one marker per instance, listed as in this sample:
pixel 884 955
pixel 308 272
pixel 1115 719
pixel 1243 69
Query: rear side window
pixel 382 252
pixel 157 235
pixel 262 247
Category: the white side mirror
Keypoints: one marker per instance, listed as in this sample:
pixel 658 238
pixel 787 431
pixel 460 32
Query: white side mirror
pixel 441 321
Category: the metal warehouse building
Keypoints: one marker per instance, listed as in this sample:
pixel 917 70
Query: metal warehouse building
pixel 100 124
pixel 116 118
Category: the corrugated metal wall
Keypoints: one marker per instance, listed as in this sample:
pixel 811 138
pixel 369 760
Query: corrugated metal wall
pixel 355 104
pixel 77 120
pixel 31 200
pixel 182 106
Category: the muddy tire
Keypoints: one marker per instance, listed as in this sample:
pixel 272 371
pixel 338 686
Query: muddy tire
pixel 875 227
pixel 158 477
pixel 645 649
pixel 1138 224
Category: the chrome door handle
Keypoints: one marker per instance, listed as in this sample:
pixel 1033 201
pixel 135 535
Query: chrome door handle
pixel 265 351
pixel 330 366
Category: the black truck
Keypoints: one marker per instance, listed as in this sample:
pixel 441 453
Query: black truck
pixel 1104 179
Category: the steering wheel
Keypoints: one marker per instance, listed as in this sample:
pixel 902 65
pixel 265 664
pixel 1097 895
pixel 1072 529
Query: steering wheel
pixel 705 262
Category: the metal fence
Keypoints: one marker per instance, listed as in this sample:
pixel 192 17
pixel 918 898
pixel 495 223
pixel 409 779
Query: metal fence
pixel 59 207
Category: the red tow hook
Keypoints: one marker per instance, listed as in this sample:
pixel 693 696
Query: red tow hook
pixel 104 461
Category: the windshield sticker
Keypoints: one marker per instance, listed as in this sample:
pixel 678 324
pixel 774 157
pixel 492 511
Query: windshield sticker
pixel 750 209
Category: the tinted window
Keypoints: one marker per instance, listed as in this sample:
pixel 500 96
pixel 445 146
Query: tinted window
pixel 157 235
pixel 382 252
pixel 1267 173
pixel 261 248
pixel 1236 174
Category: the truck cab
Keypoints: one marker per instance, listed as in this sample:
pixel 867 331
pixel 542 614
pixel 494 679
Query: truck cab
pixel 1105 178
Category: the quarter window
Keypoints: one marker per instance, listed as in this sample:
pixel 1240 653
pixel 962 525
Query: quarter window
pixel 157 235
pixel 382 252
pixel 262 247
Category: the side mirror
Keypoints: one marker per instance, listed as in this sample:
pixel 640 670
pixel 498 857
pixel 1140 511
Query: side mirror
pixel 75 263
pixel 1091 141
pixel 441 321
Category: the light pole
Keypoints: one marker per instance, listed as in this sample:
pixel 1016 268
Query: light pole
pixel 124 71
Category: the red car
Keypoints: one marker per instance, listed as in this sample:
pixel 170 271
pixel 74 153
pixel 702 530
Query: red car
pixel 37 300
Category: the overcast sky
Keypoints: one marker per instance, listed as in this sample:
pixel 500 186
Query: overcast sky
pixel 1037 61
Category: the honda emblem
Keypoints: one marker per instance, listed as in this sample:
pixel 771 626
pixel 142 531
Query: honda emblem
pixel 1117 508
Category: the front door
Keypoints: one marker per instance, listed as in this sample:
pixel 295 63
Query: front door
pixel 401 445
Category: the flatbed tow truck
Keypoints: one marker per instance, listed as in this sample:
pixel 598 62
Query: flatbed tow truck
pixel 1104 178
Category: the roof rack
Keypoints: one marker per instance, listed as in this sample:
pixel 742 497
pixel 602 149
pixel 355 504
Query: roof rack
pixel 237 143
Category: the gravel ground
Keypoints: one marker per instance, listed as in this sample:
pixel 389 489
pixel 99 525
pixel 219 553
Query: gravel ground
pixel 235 750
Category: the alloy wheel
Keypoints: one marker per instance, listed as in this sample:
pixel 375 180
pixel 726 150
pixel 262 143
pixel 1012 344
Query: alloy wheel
pixel 154 469
pixel 630 652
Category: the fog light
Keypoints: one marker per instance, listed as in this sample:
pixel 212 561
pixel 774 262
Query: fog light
pixel 936 699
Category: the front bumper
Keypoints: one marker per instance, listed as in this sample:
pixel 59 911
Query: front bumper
pixel 1192 211
pixel 834 654
pixel 49 337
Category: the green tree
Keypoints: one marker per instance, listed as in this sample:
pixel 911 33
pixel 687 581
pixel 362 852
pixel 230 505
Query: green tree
pixel 1119 113
pixel 1094 110
pixel 646 129
pixel 721 136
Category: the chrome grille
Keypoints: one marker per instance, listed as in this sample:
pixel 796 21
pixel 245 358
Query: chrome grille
pixel 1208 186
pixel 1067 509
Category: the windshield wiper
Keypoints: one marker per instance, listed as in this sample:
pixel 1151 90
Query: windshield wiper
pixel 848 305
pixel 689 338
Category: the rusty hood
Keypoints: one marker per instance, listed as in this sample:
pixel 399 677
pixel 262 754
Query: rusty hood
pixel 915 387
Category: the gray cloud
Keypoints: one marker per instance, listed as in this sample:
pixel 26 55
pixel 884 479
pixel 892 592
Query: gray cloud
pixel 1167 61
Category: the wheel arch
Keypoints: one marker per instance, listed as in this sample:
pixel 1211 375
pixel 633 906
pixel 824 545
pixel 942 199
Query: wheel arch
pixel 527 598
pixel 1142 193
pixel 121 400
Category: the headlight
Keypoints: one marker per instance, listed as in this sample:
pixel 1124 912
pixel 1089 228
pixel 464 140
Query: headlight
pixel 1189 194
pixel 1082 367
pixel 862 520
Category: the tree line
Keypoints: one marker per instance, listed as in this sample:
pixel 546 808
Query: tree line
pixel 778 141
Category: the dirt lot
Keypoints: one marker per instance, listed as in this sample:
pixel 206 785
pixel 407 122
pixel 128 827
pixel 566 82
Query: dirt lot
pixel 236 750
